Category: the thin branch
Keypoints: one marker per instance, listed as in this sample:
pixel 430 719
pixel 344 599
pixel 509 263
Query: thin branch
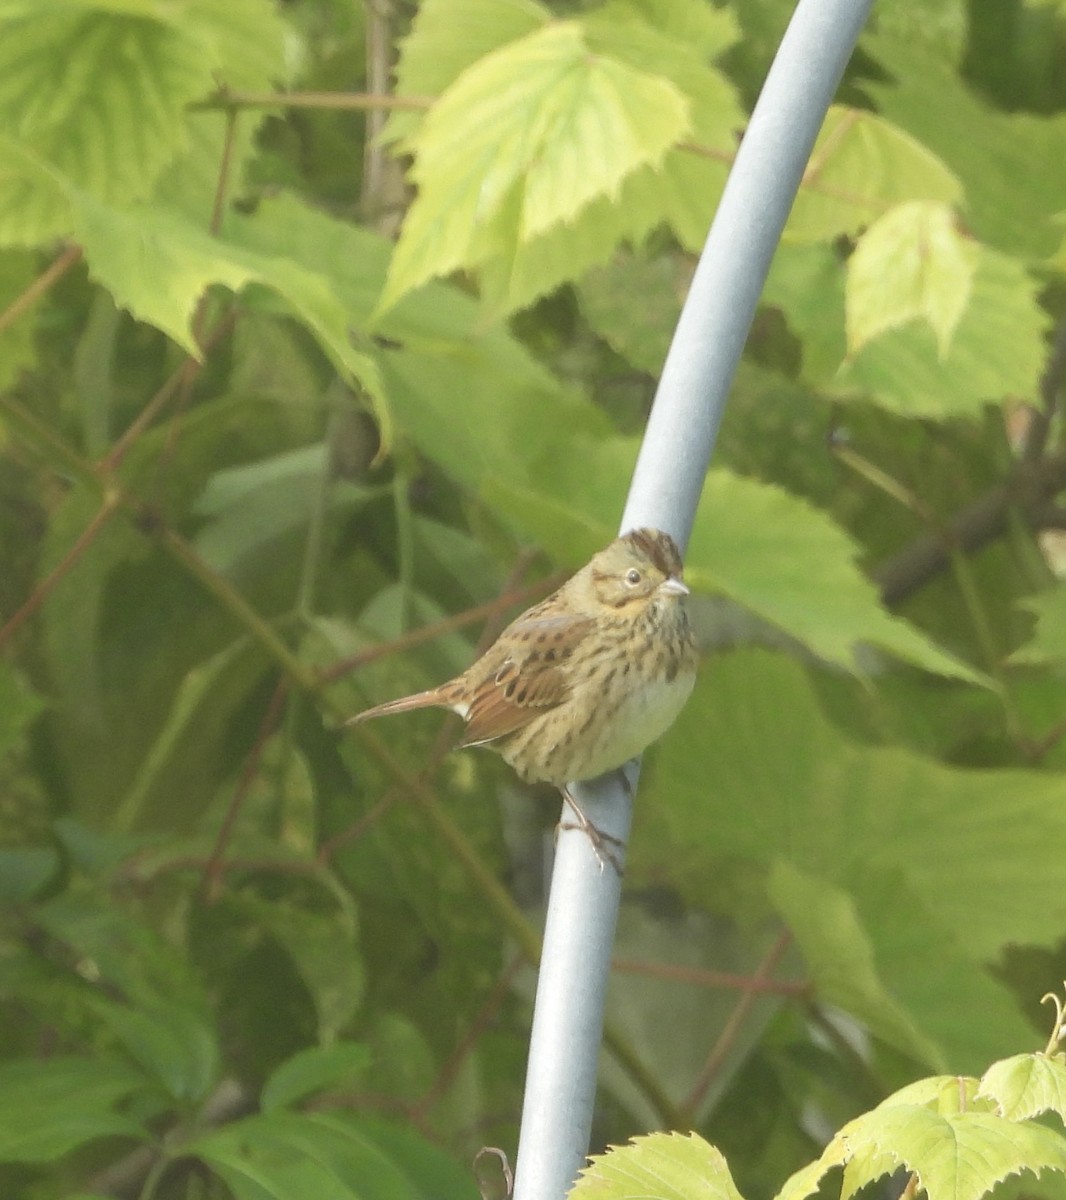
pixel 339 101
pixel 731 1030
pixel 980 522
pixel 51 274
pixel 169 389
pixel 211 883
pixel 426 633
pixel 63 568
pixel 483 1019
pixel 715 980
pixel 1034 443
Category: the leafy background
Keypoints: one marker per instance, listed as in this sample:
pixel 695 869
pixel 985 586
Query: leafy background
pixel 302 396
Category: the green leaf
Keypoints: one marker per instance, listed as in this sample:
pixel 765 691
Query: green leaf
pixel 158 265
pixel 996 351
pixel 254 505
pixel 49 1107
pixel 996 354
pixel 1026 1085
pixel 978 848
pixel 312 1071
pixel 633 304
pixel 109 121
pixel 331 1156
pixel 841 960
pixel 956 1156
pixel 967 1011
pixel 528 136
pixel 447 37
pixel 169 1040
pixel 177 776
pixel 660 1166
pixel 862 166
pixel 805 1181
pixel 988 150
pixel 324 947
pixel 792 565
pixel 1048 643
pixel 913 263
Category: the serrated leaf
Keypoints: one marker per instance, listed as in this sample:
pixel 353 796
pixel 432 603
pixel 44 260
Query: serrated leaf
pixel 157 264
pixel 861 166
pixel 945 1094
pixel 541 127
pixel 996 353
pixel 1026 1085
pixel 792 565
pixel 913 263
pixel 112 118
pixel 805 1181
pixel 660 1166
pixel 957 1156
pixel 1048 643
pixel 447 37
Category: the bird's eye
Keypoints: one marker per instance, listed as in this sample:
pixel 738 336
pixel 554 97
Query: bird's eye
pixel 633 577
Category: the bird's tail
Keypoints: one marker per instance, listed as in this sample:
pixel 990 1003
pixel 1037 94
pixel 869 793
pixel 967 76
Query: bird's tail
pixel 434 698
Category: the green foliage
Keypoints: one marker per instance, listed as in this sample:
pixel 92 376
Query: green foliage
pixel 289 385
pixel 953 1134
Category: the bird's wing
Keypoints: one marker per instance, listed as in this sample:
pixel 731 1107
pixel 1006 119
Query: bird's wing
pixel 527 677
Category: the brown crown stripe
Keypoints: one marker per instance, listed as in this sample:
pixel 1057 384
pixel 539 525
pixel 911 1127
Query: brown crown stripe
pixel 659 547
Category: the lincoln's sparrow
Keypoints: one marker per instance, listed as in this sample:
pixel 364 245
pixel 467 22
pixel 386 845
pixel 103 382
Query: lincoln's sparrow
pixel 586 679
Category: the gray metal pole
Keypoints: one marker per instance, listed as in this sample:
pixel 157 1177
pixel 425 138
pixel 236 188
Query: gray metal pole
pixel 699 369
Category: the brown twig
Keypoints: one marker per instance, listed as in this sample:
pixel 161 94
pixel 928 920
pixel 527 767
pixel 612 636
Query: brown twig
pixel 50 275
pixel 484 1017
pixel 1034 441
pixel 60 571
pixel 734 1024
pixel 425 633
pixel 974 526
pixel 1035 751
pixel 718 980
pixel 509 595
pixel 113 459
pixel 211 883
pixel 340 101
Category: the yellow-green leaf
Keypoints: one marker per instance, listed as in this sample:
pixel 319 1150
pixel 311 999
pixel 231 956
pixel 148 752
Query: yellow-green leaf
pixel 863 165
pixel 529 135
pixel 912 263
pixel 1026 1085
pixel 660 1166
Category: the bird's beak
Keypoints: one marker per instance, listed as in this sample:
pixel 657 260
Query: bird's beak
pixel 673 586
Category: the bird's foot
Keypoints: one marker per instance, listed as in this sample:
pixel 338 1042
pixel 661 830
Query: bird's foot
pixel 601 841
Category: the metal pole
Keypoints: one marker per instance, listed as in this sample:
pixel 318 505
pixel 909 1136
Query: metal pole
pixel 699 368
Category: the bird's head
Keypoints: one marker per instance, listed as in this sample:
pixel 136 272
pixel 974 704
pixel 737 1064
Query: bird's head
pixel 641 566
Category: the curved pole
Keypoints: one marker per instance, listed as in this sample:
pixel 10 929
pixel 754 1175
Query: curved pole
pixel 707 344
